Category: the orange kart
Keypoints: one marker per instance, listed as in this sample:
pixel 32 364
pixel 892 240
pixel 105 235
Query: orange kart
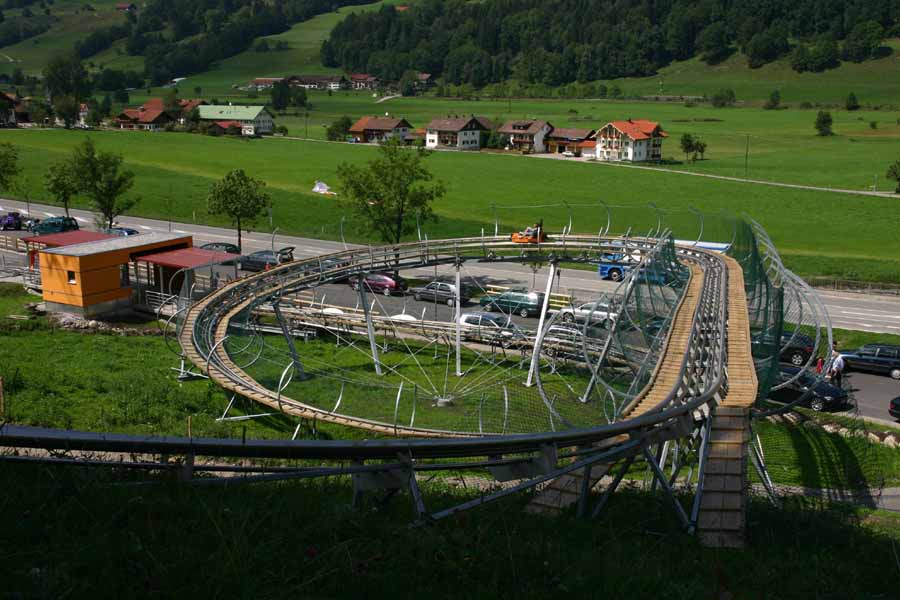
pixel 520 237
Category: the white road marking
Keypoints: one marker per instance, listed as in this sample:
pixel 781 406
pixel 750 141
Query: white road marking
pixel 145 227
pixel 49 214
pixel 881 315
pixel 81 220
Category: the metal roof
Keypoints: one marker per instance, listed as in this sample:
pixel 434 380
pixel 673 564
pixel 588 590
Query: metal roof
pixel 118 243
pixel 220 112
pixel 67 238
pixel 188 258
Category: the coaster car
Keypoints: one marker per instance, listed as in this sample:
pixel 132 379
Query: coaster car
pixel 531 235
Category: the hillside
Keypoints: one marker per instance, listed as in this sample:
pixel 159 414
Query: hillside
pixel 875 81
pixel 71 24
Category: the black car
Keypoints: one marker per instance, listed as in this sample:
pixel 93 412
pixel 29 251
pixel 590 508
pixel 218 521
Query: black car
pixel 796 348
pixel 329 263
pixel 894 408
pixel 222 247
pixel 438 291
pixel 55 225
pixel 266 259
pixel 824 395
pixel 883 359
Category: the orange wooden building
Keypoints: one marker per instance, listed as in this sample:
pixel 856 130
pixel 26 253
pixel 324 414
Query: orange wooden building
pixel 92 278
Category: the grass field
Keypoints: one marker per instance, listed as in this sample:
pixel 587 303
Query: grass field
pixel 74 23
pixel 77 533
pixel 878 81
pixel 818 234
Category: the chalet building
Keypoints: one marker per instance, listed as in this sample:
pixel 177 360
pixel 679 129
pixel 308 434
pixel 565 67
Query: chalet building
pixel 145 119
pixel 264 83
pixel 363 81
pixel 253 120
pixel 424 81
pixel 570 140
pixel 527 136
pixel 380 129
pixel 319 82
pixel 632 140
pixel 126 7
pixel 457 133
pixel 187 105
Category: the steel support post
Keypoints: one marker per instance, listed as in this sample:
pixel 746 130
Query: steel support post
pixel 613 486
pixel 361 288
pixel 536 352
pixel 458 325
pixel 286 332
pixel 663 481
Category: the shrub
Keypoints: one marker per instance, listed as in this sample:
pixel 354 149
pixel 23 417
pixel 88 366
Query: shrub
pixel 723 98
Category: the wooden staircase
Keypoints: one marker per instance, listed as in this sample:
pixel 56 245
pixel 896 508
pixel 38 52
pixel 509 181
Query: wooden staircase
pixel 723 507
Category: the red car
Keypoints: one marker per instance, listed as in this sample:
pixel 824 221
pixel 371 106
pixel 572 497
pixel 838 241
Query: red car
pixel 383 283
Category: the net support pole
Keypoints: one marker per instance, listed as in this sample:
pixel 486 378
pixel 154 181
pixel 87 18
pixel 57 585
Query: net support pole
pixel 458 325
pixel 288 338
pixel 536 351
pixel 370 328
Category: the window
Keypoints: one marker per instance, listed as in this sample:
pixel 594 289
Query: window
pixel 70 275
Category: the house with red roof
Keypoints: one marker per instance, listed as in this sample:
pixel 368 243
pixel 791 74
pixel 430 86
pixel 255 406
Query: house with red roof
pixel 632 140
pixel 8 104
pixel 526 135
pixel 143 118
pixel 379 129
pixel 363 81
pixel 569 139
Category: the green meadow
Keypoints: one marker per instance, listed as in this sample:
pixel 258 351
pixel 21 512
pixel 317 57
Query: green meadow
pixel 817 233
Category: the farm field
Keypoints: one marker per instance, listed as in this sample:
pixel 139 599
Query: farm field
pixel 817 233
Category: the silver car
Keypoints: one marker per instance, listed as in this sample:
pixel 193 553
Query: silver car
pixel 596 312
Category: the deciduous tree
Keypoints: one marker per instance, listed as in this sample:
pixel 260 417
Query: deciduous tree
pixel 100 177
pixel 893 172
pixel 9 165
pixel 240 197
pixel 61 183
pixel 391 191
pixel 823 123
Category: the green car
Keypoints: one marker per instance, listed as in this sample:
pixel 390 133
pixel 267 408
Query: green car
pixel 520 302
pixel 55 225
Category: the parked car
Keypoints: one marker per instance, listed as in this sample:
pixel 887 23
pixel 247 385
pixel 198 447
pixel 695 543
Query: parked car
pixel 12 220
pixel 796 348
pixel 595 311
pixel 883 359
pixel 477 325
pixel 327 264
pixel 382 283
pixel 824 395
pixel 894 407
pixel 518 301
pixel 55 225
pixel 221 247
pixel 438 291
pixel 568 153
pixel 121 231
pixel 266 259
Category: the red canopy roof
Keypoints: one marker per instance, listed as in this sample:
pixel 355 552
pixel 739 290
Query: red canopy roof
pixel 187 258
pixel 67 238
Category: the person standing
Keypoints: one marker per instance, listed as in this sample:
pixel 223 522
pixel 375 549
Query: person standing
pixel 837 368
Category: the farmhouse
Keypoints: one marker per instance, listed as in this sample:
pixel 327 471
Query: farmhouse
pixel 632 140
pixel 254 120
pixel 569 140
pixel 526 135
pixel 458 133
pixel 379 129
pixel 126 7
pixel 424 81
pixel 146 119
pixel 363 81
pixel 319 82
pixel 264 83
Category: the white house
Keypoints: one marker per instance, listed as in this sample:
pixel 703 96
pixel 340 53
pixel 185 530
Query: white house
pixel 458 133
pixel 632 140
pixel 527 135
pixel 254 120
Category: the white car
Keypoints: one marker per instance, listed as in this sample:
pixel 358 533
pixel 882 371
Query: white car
pixel 568 153
pixel 596 312
pixel 487 326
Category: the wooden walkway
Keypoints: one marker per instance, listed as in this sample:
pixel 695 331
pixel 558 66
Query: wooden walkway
pixel 564 491
pixel 723 508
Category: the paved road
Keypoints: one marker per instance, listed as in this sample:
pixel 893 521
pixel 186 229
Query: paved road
pixel 873 394
pixel 849 311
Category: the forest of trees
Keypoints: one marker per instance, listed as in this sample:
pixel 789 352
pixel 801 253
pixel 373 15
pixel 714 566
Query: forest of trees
pixel 554 42
pixel 182 37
